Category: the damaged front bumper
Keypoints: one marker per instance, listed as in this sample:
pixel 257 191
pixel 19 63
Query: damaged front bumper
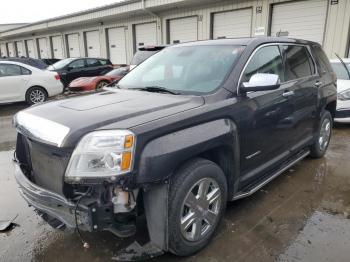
pixel 51 203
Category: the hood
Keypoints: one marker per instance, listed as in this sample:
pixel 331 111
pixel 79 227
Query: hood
pixel 342 85
pixel 117 109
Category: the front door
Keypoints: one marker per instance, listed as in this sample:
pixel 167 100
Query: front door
pixel 265 117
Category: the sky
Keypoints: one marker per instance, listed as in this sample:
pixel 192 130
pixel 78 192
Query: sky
pixel 28 11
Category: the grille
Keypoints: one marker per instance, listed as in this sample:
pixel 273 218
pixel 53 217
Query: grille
pixel 44 164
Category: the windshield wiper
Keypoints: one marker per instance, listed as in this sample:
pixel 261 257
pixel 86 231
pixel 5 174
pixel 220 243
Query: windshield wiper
pixel 159 89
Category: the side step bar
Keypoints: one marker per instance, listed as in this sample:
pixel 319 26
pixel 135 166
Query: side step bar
pixel 270 178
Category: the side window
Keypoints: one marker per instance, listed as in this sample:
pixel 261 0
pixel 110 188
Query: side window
pixel 25 71
pixel 10 70
pixel 266 60
pixel 298 62
pixel 91 62
pixel 77 64
pixel 322 59
pixel 104 62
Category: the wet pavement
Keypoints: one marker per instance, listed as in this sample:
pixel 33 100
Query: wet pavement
pixel 303 215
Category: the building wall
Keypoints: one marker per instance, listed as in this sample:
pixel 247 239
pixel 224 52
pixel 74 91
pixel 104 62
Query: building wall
pixel 336 38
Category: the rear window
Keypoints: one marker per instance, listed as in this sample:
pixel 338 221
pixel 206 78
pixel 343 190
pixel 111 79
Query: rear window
pixel 298 63
pixel 91 62
pixel 104 62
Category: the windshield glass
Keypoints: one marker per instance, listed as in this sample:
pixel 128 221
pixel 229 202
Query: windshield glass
pixel 341 71
pixel 185 69
pixel 141 56
pixel 61 64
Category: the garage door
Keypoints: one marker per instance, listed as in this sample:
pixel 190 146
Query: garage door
pixel 93 45
pixel 117 45
pixel 57 47
pixel 145 34
pixel 231 24
pixel 20 49
pixel 43 48
pixel 3 51
pixel 11 49
pixel 30 48
pixel 73 45
pixel 183 30
pixel 301 19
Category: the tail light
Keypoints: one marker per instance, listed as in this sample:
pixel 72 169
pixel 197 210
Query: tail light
pixel 57 77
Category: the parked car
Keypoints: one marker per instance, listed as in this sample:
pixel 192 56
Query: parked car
pixel 143 53
pixel 50 61
pixel 342 69
pixel 193 127
pixel 97 82
pixel 21 82
pixel 73 68
pixel 28 61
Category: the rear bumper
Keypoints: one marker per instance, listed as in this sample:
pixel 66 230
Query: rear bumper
pixel 51 203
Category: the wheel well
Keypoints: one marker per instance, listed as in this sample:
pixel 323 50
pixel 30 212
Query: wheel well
pixel 332 107
pixel 223 157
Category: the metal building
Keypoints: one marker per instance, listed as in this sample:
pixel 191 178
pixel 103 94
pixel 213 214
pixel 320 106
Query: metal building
pixel 116 31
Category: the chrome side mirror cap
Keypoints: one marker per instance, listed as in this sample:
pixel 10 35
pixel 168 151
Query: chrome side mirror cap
pixel 261 82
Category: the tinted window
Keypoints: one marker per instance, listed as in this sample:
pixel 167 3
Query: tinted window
pixel 322 59
pixel 104 62
pixel 266 60
pixel 298 62
pixel 77 64
pixel 25 71
pixel 91 62
pixel 10 70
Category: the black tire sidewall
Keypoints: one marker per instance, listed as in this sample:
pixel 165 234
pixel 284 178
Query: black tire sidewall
pixel 184 180
pixel 316 151
pixel 97 88
pixel 28 101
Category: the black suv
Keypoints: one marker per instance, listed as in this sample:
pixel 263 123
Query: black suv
pixel 196 125
pixel 72 68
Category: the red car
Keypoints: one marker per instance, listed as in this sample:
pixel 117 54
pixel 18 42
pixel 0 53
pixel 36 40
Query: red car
pixel 96 82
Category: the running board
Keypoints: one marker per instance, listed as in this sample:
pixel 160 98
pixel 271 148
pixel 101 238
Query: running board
pixel 269 179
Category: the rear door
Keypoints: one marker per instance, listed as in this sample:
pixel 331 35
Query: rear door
pixel 300 76
pixel 265 117
pixel 12 82
pixel 94 67
pixel 76 69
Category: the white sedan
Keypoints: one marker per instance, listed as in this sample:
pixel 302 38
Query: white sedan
pixel 21 82
pixel 342 69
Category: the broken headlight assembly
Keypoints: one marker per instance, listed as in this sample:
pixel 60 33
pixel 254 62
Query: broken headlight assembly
pixel 102 155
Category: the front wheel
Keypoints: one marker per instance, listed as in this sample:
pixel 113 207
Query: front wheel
pixel 101 84
pixel 319 148
pixel 198 196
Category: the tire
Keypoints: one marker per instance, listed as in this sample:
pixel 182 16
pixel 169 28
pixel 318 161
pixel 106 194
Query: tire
pixel 183 240
pixel 36 94
pixel 319 148
pixel 101 84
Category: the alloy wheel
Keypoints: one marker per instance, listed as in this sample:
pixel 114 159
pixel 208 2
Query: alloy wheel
pixel 325 133
pixel 200 209
pixel 37 96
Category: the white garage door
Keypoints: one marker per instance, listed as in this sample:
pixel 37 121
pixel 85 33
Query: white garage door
pixel 30 48
pixel 3 51
pixel 93 45
pixel 11 49
pixel 145 34
pixel 231 24
pixel 117 45
pixel 20 49
pixel 43 48
pixel 73 45
pixel 301 19
pixel 183 30
pixel 57 47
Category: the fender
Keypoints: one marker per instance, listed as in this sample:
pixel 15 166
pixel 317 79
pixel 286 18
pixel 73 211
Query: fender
pixel 163 155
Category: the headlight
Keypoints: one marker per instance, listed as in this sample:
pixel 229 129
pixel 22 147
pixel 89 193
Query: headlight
pixel 345 95
pixel 101 154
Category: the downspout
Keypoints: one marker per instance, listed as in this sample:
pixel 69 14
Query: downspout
pixel 156 16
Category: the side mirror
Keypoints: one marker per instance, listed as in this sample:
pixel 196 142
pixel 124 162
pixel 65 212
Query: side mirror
pixel 261 82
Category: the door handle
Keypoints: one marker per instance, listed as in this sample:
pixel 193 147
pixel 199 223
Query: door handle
pixel 288 93
pixel 318 83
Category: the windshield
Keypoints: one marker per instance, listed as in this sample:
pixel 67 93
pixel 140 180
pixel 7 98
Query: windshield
pixel 341 71
pixel 117 72
pixel 141 56
pixel 185 69
pixel 61 64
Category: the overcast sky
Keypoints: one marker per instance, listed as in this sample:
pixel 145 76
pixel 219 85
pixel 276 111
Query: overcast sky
pixel 27 11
